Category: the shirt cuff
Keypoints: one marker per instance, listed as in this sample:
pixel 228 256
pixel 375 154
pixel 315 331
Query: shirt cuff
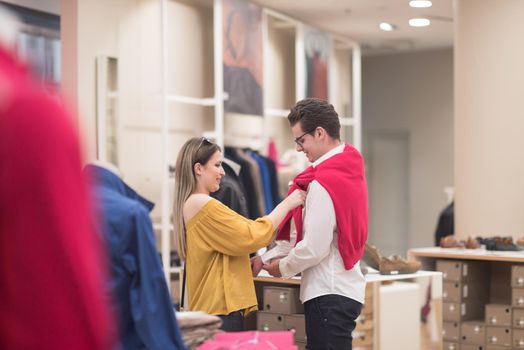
pixel 284 269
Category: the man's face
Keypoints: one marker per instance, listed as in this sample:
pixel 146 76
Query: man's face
pixel 306 141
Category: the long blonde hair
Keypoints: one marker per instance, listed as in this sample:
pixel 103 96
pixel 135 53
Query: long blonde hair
pixel 195 150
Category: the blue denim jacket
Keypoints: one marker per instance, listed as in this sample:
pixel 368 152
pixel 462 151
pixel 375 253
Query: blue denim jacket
pixel 139 290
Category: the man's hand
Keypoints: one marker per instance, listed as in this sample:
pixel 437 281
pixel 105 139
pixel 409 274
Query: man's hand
pixel 273 268
pixel 256 265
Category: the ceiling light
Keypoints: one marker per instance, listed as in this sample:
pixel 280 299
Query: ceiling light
pixel 419 22
pixel 387 27
pixel 420 3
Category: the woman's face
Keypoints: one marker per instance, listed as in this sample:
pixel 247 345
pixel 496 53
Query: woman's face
pixel 211 173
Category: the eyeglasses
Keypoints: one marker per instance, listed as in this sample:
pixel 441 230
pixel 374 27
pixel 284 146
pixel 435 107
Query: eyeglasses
pixel 204 139
pixel 299 140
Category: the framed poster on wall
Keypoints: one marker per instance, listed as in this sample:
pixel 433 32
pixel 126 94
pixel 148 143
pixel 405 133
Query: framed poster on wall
pixel 316 52
pixel 243 58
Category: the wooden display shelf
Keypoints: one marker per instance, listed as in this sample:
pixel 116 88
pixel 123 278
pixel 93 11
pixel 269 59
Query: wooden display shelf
pixel 465 254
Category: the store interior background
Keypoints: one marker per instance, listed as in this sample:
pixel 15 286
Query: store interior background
pixel 407 103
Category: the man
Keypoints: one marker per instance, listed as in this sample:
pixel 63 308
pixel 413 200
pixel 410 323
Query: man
pixel 331 231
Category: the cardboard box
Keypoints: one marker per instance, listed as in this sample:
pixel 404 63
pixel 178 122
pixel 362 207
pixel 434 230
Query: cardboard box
pixel 364 323
pixel 498 315
pixel 455 312
pixel 494 347
pixel 367 307
pixel 451 331
pixel 297 325
pixel 282 300
pixel 363 347
pixel 500 336
pixel 455 292
pixel 517 276
pixel 517 297
pixel 473 332
pixel 460 271
pixel 518 339
pixel 362 338
pixel 268 321
pixel 471 347
pixel 518 318
pixel 500 283
pixel 450 346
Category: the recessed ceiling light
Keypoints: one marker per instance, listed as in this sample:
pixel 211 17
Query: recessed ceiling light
pixel 387 27
pixel 420 3
pixel 419 22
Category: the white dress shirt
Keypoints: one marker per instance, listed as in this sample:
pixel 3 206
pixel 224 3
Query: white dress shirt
pixel 317 255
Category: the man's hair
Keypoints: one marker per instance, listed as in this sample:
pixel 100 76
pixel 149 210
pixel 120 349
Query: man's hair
pixel 312 113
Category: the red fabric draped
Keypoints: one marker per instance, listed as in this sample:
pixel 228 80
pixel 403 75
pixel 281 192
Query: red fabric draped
pixel 342 175
pixel 52 262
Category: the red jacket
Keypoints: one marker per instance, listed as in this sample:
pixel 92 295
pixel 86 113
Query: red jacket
pixel 342 175
pixel 52 264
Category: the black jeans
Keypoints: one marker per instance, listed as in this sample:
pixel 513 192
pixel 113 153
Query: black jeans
pixel 330 319
pixel 234 322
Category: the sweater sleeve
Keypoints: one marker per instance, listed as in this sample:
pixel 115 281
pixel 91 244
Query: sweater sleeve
pixel 232 234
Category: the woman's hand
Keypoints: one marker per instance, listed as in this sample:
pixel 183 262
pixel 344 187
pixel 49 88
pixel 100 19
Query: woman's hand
pixel 256 265
pixel 296 198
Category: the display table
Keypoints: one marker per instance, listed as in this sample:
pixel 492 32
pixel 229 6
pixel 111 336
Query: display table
pixel 389 328
pixel 428 255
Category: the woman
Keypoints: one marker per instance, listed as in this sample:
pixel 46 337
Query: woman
pixel 215 241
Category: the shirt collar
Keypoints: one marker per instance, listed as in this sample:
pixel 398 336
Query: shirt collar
pixel 331 153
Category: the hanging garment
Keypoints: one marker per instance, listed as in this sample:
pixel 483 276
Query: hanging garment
pixel 272 153
pixel 342 175
pixel 266 181
pixel 257 180
pixel 273 179
pixel 52 262
pixel 445 225
pixel 231 192
pixel 138 286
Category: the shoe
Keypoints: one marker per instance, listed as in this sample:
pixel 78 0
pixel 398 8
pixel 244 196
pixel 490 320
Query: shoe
pixel 372 256
pixel 451 242
pixel 472 243
pixel 397 265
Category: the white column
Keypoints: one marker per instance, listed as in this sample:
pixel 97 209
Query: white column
pixel 489 117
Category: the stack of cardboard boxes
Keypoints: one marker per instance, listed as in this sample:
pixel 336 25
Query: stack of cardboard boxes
pixel 517 301
pixel 282 310
pixel 363 333
pixel 477 311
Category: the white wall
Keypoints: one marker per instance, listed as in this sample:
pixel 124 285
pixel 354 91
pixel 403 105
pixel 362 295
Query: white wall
pixel 489 170
pixel 413 93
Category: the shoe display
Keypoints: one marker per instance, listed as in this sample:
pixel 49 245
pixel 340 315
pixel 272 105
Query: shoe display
pixel 388 266
pixel 472 243
pixel 451 242
pixel 371 256
pixel 397 265
pixel 499 243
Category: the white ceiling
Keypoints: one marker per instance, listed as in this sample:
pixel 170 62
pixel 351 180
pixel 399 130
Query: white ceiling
pixel 355 19
pixel 359 20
